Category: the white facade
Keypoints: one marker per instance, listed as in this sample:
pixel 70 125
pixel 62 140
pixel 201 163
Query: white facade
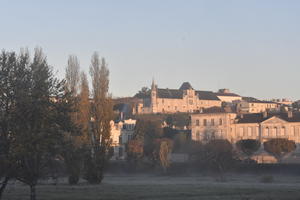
pixel 121 133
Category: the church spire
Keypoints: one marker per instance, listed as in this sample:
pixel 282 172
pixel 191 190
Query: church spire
pixel 153 86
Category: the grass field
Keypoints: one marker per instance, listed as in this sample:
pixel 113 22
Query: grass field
pixel 163 187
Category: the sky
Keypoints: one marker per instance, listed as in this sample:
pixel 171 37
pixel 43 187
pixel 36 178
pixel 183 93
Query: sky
pixel 251 47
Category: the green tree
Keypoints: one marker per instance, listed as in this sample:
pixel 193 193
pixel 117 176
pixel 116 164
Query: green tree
pixel 102 114
pixel 248 146
pixel 40 119
pixel 279 147
pixel 144 93
pixel 9 65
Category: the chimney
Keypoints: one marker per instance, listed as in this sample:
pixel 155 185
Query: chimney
pixel 290 114
pixel 265 114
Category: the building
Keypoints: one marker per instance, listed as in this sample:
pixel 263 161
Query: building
pixel 226 96
pixel 257 106
pixel 233 127
pixel 121 133
pixel 284 101
pixel 184 99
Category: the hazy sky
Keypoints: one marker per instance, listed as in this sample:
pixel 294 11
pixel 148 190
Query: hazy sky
pixel 251 47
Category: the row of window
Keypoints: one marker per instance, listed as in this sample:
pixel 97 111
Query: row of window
pixel 206 122
pixel 209 135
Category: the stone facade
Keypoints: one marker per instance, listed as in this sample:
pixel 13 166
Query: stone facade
pixel 233 127
pixel 184 99
pixel 256 106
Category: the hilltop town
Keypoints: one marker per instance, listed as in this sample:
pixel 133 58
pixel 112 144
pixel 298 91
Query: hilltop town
pixel 211 115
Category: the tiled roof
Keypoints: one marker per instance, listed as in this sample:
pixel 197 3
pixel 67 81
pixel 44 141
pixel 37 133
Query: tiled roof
pixel 258 117
pixel 185 86
pixel 207 95
pixel 258 101
pixel 214 109
pixel 169 93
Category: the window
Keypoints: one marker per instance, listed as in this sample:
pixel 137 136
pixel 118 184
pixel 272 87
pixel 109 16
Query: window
pixel 212 122
pixel 241 132
pixel 283 131
pixel 220 122
pixel 129 137
pixel 191 102
pixel 276 132
pixel 197 122
pixel 204 122
pixel 293 131
pixel 267 131
pixel 249 131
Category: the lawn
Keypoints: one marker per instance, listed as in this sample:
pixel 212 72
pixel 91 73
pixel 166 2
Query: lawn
pixel 165 187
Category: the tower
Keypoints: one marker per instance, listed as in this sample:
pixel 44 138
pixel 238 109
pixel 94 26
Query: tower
pixel 153 97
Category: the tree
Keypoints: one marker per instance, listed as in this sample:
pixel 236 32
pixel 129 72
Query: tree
pixel 73 140
pixel 248 146
pixel 72 74
pixel 102 114
pixel 144 93
pixel 162 150
pixel 279 147
pixel 9 65
pixel 218 154
pixel 40 119
pixel 84 111
pixel 135 151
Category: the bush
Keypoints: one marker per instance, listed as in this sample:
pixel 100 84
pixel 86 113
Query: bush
pixel 267 179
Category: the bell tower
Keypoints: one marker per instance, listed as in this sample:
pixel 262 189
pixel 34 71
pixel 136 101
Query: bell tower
pixel 153 97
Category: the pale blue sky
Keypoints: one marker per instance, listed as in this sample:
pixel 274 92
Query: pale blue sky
pixel 251 47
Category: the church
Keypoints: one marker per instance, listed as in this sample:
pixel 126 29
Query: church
pixel 185 99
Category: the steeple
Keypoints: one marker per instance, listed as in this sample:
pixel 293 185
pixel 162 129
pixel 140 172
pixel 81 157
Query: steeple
pixel 153 86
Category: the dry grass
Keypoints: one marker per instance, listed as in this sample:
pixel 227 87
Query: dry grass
pixel 175 188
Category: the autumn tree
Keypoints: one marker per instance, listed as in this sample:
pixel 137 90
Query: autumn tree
pixel 135 152
pixel 279 147
pixel 102 114
pixel 84 115
pixel 248 147
pixel 163 148
pixel 74 145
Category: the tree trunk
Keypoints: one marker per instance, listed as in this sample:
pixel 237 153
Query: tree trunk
pixel 3 185
pixel 32 192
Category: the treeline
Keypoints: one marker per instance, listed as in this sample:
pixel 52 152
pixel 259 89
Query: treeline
pixel 44 120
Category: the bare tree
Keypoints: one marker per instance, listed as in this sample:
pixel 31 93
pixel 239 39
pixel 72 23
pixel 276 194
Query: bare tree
pixel 102 114
pixel 72 74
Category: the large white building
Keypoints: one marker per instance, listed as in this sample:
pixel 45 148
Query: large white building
pixel 184 99
pixel 233 127
pixel 121 133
